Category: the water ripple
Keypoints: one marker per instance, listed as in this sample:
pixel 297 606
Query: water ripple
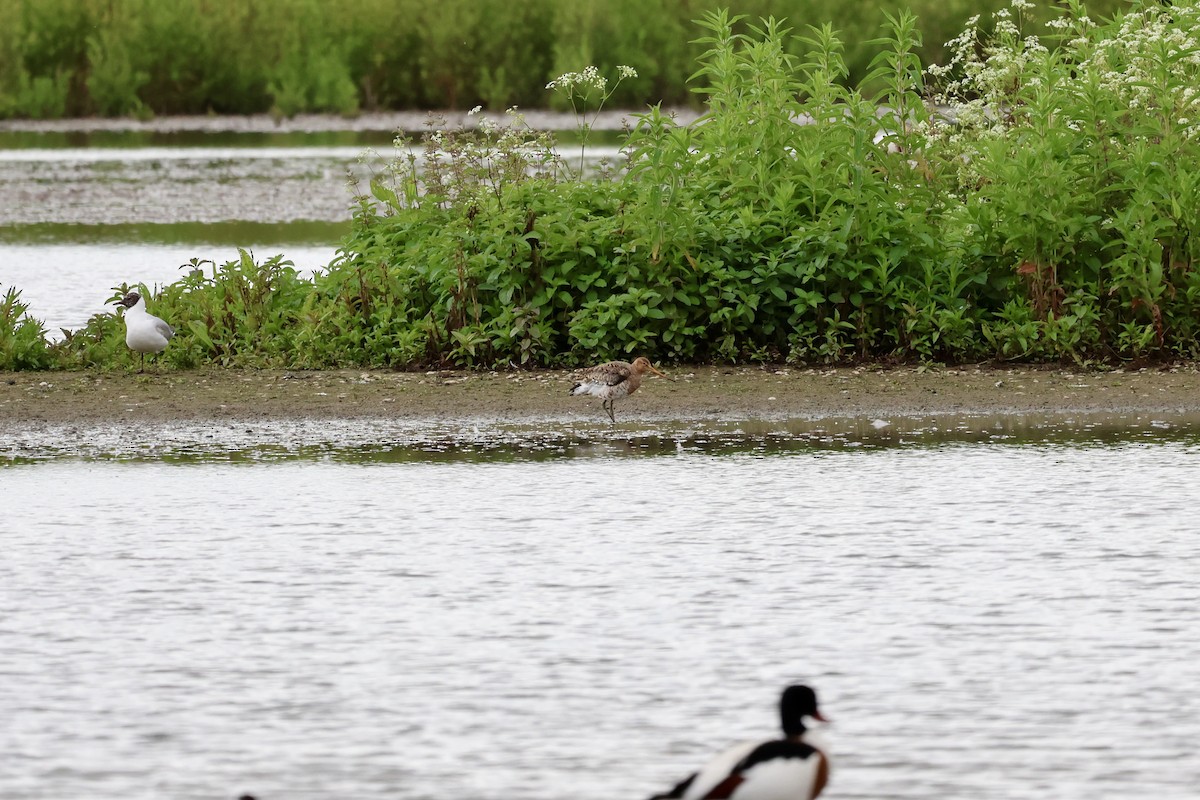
pixel 488 627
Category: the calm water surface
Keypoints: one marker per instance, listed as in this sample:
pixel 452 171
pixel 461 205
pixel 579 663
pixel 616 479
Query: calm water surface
pixel 476 615
pixel 77 220
pixel 65 284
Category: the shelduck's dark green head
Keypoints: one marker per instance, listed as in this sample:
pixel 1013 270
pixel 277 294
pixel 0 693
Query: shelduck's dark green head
pixel 797 703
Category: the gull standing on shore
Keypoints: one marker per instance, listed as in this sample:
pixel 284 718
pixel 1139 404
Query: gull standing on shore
pixel 144 332
pixel 614 380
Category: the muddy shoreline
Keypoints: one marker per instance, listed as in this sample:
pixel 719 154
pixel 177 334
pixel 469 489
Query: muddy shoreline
pixel 695 394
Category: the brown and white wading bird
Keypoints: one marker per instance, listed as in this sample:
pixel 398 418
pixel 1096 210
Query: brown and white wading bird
pixel 614 380
pixel 795 767
pixel 144 332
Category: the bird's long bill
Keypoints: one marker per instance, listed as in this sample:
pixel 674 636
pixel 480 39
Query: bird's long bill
pixel 660 374
pixel 819 717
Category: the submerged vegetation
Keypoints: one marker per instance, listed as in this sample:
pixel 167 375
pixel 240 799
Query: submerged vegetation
pixel 1019 202
pixel 147 57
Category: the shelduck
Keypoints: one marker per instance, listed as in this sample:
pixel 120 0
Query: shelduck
pixel 792 768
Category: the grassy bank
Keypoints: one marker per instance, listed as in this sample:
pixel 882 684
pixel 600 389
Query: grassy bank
pixel 145 57
pixel 1048 217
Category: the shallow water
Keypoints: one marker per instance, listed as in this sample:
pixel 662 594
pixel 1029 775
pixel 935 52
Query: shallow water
pixel 83 212
pixel 233 177
pixel 988 609
pixel 15 139
pixel 65 284
pixel 76 221
pixel 112 186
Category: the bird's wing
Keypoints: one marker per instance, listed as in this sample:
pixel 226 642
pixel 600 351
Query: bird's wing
pixel 610 374
pixel 677 791
pixel 717 770
pixel 163 328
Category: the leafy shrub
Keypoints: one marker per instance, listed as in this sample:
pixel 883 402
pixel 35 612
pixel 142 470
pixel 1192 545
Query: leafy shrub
pixel 1077 166
pixel 1020 202
pixel 22 338
pixel 114 82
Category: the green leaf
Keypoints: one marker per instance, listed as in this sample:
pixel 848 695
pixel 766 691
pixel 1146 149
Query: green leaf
pixel 200 331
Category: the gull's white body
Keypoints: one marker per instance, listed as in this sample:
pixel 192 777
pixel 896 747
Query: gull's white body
pixel 144 332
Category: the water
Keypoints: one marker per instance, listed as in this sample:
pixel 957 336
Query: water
pixel 85 211
pixel 65 284
pixel 406 611
pixel 75 221
pixel 990 608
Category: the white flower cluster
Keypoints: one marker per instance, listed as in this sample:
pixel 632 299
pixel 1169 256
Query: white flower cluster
pixel 1153 62
pixel 589 79
pixel 1120 83
pixel 1005 57
pixel 980 82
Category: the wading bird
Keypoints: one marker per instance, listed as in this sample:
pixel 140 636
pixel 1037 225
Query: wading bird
pixel 144 332
pixel 614 380
pixel 791 768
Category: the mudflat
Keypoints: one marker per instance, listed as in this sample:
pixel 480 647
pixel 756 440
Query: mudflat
pixel 694 393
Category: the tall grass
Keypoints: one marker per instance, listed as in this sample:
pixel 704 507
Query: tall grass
pixel 145 57
pixel 1018 202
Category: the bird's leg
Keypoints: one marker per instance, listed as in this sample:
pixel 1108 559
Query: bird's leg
pixel 143 368
pixel 611 401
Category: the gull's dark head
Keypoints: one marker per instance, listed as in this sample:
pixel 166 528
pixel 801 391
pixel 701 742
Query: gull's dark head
pixel 129 300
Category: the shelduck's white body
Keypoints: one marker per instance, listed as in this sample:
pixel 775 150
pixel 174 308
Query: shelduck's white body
pixel 793 768
pixel 798 775
pixel 717 770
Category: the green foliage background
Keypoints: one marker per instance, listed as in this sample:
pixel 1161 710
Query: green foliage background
pixel 1025 202
pixel 148 57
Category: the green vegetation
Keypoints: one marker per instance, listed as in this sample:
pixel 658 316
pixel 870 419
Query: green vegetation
pixel 22 339
pixel 148 57
pixel 1025 204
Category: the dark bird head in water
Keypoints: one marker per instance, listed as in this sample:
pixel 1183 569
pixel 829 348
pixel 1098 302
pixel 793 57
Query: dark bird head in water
pixel 798 702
